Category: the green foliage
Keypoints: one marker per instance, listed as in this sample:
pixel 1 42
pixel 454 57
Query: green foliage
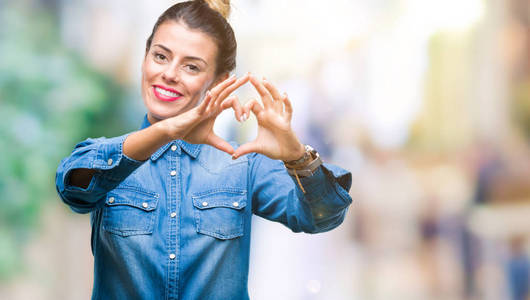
pixel 520 108
pixel 49 100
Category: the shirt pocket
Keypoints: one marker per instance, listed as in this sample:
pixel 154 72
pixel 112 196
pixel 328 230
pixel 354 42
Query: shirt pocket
pixel 130 211
pixel 220 213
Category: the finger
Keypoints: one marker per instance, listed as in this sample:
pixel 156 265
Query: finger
pixel 246 111
pixel 219 143
pixel 246 149
pixel 272 89
pixel 222 85
pixel 266 97
pixel 252 105
pixel 233 102
pixel 288 106
pixel 277 103
pixel 205 102
pixel 211 103
pixel 232 87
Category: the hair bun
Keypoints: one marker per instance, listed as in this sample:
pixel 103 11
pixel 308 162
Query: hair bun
pixel 220 6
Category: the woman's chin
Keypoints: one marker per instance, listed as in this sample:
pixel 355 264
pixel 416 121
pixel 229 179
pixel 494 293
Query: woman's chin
pixel 161 113
pixel 154 116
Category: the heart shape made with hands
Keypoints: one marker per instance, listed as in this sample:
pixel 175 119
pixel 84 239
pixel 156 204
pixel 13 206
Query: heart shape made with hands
pixel 275 138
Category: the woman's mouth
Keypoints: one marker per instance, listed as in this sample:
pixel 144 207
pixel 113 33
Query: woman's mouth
pixel 166 94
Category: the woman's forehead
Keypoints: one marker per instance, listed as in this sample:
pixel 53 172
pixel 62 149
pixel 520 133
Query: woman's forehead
pixel 183 41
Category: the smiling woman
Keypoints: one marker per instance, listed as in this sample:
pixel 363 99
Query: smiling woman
pixel 171 204
pixel 177 70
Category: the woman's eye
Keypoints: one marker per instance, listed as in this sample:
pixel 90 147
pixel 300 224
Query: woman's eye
pixel 192 68
pixel 159 57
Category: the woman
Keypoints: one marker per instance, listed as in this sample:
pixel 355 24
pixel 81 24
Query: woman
pixel 171 203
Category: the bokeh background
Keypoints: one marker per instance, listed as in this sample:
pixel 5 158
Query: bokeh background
pixel 426 102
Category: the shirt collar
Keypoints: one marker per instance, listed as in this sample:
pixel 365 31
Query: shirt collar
pixel 191 149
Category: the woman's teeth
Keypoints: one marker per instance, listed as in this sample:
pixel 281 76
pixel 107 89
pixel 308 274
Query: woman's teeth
pixel 166 93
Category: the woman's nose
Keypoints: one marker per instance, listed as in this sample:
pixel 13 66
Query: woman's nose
pixel 171 74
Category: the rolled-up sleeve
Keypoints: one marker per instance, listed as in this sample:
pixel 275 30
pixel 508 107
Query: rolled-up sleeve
pixel 276 195
pixel 112 166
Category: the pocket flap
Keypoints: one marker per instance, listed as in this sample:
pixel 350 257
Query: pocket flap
pixel 230 198
pixel 134 197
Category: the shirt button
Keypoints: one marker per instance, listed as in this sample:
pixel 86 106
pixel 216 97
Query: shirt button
pixel 172 256
pixel 235 204
pixel 111 200
pixel 173 148
pixel 205 203
pixel 109 162
pixel 145 205
pixel 173 214
pixel 173 173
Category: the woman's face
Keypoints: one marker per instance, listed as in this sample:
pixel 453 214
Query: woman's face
pixel 177 70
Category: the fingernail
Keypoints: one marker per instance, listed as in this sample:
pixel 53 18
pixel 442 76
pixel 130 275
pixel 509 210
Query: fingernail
pixel 264 79
pixel 233 157
pixel 232 76
pixel 243 117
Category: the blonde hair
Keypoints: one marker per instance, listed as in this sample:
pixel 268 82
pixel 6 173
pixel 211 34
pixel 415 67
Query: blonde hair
pixel 220 6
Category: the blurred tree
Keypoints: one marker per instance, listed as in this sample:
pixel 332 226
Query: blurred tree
pixel 521 107
pixel 49 100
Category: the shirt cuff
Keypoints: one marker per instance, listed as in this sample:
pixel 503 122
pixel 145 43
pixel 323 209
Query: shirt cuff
pixel 325 177
pixel 110 162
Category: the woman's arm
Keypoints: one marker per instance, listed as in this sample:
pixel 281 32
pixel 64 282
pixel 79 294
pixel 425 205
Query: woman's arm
pixel 312 204
pixel 277 196
pixel 97 166
pixel 194 126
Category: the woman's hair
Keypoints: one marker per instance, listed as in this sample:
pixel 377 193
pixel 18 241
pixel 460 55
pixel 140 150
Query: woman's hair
pixel 209 17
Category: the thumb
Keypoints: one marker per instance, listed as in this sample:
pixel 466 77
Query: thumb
pixel 246 148
pixel 219 143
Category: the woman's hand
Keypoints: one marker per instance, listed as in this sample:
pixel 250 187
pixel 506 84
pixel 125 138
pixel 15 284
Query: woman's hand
pixel 276 138
pixel 196 125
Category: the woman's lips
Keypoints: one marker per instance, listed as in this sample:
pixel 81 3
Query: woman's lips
pixel 166 94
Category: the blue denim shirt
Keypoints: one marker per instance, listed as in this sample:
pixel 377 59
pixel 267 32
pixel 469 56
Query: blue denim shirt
pixel 177 226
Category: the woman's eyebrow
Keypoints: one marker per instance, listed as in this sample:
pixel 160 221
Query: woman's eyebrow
pixel 163 47
pixel 186 57
pixel 196 58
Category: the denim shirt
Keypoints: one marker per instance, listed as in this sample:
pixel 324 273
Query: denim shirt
pixel 177 226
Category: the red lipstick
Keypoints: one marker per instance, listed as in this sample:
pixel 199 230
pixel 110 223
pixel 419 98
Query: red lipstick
pixel 166 94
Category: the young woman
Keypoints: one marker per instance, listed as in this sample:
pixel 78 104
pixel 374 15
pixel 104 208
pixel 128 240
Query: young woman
pixel 171 203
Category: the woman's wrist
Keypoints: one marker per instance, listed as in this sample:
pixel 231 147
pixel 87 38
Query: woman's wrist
pixel 140 145
pixel 297 154
pixel 166 131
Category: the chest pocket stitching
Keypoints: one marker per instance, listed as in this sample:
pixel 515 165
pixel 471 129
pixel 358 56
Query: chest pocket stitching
pixel 217 216
pixel 130 212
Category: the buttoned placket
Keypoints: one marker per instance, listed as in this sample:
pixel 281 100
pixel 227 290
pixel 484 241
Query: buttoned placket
pixel 173 201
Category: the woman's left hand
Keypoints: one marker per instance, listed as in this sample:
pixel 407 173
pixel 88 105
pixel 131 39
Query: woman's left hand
pixel 276 139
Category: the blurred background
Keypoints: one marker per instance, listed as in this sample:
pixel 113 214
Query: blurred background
pixel 426 102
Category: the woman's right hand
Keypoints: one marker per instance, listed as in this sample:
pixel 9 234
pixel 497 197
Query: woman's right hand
pixel 196 125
